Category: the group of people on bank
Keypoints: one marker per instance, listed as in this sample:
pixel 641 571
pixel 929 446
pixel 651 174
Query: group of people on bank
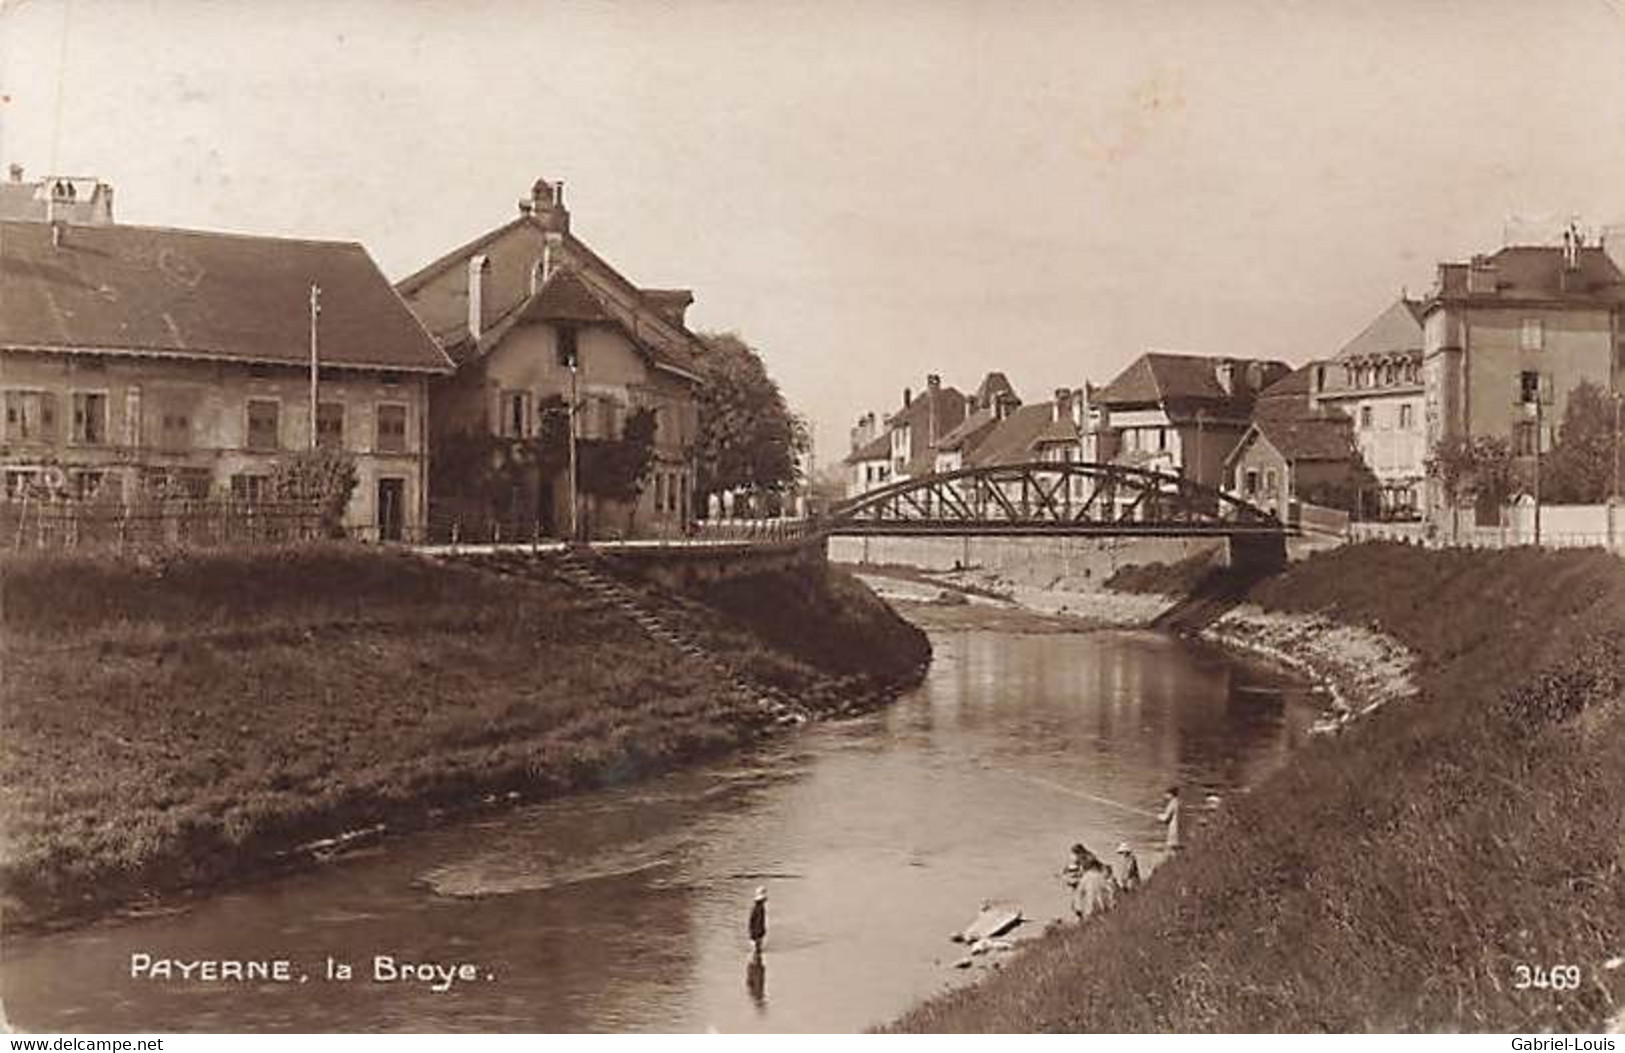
pixel 1095 885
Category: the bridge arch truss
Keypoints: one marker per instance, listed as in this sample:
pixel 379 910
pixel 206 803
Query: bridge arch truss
pixel 1044 497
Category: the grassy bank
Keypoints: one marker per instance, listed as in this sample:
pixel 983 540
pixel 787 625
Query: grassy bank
pixel 174 723
pixel 1396 876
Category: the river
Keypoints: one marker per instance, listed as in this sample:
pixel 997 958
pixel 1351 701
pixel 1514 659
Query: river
pixel 625 910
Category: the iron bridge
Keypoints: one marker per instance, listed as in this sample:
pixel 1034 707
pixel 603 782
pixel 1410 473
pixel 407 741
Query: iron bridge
pixel 1052 497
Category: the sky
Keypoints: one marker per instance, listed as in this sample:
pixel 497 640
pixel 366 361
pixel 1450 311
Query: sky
pixel 869 192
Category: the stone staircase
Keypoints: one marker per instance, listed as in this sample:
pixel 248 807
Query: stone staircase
pixel 578 570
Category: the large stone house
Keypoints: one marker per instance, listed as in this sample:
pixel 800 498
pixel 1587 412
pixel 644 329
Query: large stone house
pixel 1507 337
pixel 514 308
pixel 1375 381
pixel 142 359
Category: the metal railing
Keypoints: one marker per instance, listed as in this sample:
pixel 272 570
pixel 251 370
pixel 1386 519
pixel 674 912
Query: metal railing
pixel 57 524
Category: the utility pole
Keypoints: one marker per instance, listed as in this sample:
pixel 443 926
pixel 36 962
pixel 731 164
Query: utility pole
pixel 315 310
pixel 572 360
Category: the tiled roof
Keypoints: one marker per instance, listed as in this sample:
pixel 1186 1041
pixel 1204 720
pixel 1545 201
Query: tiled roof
pixel 969 433
pixel 1397 330
pixel 1057 431
pixel 1011 440
pixel 1309 439
pixel 1287 397
pixel 203 294
pixel 993 385
pixel 876 449
pixel 1539 273
pixel 658 302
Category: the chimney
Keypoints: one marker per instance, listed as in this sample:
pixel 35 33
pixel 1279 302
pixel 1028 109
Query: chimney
pixel 547 204
pixel 16 171
pixel 1002 405
pixel 1063 405
pixel 970 404
pixel 1224 371
pixel 908 396
pixel 1481 276
pixel 478 267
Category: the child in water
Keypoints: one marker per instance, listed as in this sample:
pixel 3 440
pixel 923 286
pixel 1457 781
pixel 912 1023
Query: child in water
pixel 758 922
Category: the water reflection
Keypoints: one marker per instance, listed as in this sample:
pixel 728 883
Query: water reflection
pixel 626 910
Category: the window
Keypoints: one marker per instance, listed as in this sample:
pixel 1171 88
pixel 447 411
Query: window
pixel 390 380
pixel 1269 480
pixel 660 491
pixel 90 418
pixel 175 431
pixel 514 421
pixel 246 487
pixel 262 424
pixel 330 424
pixel 86 484
pixel 1532 336
pixel 1162 438
pixel 391 428
pixel 1251 484
pixel 1529 386
pixel 1366 416
pixel 22 482
pixel 1407 416
pixel 30 416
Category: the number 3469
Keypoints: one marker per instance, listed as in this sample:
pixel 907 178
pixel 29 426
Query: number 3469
pixel 1546 978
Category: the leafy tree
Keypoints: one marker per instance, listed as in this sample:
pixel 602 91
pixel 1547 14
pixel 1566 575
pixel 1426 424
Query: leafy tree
pixel 324 476
pixel 1580 468
pixel 617 469
pixel 749 440
pixel 1481 468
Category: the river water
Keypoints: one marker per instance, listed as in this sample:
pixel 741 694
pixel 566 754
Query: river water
pixel 625 910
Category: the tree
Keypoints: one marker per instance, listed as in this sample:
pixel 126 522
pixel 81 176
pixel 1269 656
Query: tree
pixel 323 476
pixel 1480 468
pixel 1580 468
pixel 617 469
pixel 749 440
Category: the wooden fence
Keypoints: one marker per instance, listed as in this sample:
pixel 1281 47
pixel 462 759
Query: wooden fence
pixel 56 525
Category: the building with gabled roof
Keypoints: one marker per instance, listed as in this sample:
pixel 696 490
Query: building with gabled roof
pixel 1182 413
pixel 513 307
pixel 139 359
pixel 1375 381
pixel 1295 451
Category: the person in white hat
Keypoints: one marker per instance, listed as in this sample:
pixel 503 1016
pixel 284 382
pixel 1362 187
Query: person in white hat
pixel 758 921
pixel 1131 868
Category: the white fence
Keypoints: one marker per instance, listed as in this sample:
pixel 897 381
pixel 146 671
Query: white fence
pixel 1561 526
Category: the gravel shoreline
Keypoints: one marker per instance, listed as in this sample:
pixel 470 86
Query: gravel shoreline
pixel 1360 669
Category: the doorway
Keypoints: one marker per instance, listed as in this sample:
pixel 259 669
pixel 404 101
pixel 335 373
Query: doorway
pixel 391 509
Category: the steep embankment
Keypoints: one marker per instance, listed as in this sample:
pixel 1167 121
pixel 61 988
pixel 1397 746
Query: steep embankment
pixel 183 721
pixel 1400 874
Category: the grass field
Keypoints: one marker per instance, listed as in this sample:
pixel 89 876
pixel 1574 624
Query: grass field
pixel 1397 876
pixel 172 723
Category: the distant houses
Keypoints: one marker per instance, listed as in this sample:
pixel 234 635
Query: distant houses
pixel 1493 351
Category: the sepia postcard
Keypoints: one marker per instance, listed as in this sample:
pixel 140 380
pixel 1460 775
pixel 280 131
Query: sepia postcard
pixel 686 516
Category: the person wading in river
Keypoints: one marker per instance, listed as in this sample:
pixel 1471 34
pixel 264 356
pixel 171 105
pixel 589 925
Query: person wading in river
pixel 758 922
pixel 1170 819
